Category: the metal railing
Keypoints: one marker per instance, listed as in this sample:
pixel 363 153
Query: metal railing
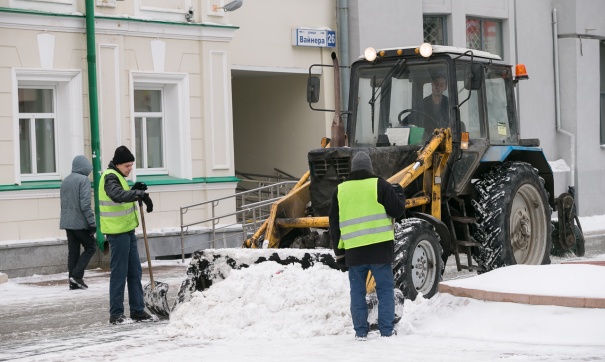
pixel 252 208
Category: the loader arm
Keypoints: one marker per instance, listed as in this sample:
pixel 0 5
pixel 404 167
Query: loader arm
pixel 296 196
pixel 288 213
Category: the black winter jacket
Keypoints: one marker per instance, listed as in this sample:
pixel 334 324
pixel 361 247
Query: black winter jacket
pixel 115 191
pixel 380 253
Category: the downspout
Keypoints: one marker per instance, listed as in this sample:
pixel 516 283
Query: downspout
pixel 91 56
pixel 343 27
pixel 572 137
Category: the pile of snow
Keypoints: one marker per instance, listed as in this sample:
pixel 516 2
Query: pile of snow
pixel 268 300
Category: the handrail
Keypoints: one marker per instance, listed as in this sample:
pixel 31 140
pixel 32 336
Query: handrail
pixel 249 216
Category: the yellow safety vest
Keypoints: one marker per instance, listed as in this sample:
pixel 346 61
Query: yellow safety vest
pixel 362 219
pixel 116 218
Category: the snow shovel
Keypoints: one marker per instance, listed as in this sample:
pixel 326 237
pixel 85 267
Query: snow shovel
pixel 154 293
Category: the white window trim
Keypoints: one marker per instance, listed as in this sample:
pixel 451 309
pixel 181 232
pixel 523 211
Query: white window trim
pixel 178 159
pixel 69 114
pixel 144 115
pixel 31 117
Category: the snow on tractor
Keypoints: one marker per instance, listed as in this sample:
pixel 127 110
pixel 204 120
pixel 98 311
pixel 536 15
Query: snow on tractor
pixel 441 122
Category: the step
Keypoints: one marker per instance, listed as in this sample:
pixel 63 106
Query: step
pixel 464 219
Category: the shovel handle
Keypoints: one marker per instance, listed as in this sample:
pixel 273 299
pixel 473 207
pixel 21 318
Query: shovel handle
pixel 142 212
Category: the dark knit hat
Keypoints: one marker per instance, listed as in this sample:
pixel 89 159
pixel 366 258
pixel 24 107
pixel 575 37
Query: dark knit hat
pixel 122 155
pixel 361 161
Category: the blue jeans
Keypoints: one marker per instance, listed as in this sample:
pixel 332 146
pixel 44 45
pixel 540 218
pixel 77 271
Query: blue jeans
pixel 385 284
pixel 125 268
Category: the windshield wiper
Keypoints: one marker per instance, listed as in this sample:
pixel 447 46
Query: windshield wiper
pixel 385 83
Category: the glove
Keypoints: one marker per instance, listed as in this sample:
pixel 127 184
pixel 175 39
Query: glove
pixel 139 186
pixel 148 202
pixel 340 259
pixel 92 230
pixel 399 191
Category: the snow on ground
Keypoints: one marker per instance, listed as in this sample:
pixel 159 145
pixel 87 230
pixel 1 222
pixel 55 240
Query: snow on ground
pixel 271 312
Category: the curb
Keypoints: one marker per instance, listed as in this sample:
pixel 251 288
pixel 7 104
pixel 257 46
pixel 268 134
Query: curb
pixel 574 302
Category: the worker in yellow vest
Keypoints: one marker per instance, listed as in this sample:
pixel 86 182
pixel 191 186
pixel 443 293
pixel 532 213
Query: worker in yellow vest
pixel 362 233
pixel 119 219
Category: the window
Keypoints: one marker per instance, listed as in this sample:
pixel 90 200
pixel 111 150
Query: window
pixel 483 34
pixel 48 126
pixel 160 111
pixel 470 111
pixel 500 107
pixel 435 30
pixel 149 129
pixel 37 132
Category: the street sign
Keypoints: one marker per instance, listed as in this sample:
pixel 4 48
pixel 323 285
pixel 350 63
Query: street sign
pixel 314 38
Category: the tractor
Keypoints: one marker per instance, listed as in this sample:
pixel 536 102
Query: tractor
pixel 441 122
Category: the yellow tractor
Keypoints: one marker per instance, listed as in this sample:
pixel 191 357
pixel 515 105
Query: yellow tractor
pixel 472 185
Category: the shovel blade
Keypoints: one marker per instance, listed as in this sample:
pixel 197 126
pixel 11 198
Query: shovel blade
pixel 372 302
pixel 156 298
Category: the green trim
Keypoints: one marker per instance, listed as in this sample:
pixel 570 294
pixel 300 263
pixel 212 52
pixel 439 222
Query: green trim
pixel 32 185
pixel 44 13
pixel 149 180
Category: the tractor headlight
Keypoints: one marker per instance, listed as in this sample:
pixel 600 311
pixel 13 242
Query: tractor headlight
pixel 426 50
pixel 370 54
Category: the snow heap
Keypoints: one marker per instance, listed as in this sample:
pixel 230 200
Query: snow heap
pixel 268 300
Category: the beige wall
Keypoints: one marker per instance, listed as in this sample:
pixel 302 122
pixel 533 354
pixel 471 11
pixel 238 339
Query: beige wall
pixel 274 128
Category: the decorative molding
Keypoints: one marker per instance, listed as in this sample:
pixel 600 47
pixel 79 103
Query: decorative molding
pixel 219 77
pixel 158 54
pixel 117 115
pixel 117 26
pixel 46 50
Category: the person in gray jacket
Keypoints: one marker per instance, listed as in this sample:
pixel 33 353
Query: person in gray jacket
pixel 78 220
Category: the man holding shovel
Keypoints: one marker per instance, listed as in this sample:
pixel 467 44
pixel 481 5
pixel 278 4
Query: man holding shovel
pixel 119 219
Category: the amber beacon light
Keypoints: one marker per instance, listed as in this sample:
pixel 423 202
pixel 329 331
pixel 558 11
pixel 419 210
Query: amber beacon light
pixel 521 72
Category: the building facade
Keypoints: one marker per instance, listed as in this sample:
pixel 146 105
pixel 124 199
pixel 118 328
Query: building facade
pixel 199 94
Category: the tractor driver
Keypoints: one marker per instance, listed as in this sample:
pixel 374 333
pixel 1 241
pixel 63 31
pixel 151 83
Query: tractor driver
pixel 435 106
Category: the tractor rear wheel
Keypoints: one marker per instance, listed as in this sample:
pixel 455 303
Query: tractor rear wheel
pixel 513 217
pixel 418 265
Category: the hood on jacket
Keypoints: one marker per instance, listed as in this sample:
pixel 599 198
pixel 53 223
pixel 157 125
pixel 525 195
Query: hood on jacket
pixel 81 165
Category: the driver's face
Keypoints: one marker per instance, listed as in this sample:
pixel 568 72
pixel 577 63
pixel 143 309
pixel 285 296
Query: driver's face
pixel 439 85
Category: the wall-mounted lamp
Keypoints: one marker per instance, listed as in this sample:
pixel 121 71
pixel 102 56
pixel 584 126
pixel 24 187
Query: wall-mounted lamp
pixel 232 6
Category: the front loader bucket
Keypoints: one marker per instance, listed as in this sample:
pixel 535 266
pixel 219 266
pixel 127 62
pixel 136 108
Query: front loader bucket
pixel 210 266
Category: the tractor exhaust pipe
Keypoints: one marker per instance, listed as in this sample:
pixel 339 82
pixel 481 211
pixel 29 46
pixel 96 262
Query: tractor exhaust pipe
pixel 338 129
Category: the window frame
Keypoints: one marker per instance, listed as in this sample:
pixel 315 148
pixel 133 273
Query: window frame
pixel 177 124
pixel 32 117
pixel 144 115
pixel 68 111
pixel 500 35
pixel 444 25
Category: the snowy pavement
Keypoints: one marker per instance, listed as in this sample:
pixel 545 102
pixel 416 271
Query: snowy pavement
pixel 271 312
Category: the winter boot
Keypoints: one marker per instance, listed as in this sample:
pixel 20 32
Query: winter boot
pixel 143 317
pixel 79 282
pixel 120 319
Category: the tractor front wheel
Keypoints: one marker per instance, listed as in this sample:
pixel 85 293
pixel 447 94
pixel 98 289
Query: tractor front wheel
pixel 418 265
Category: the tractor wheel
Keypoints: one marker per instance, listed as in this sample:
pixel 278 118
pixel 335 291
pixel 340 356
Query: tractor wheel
pixel 513 217
pixel 418 265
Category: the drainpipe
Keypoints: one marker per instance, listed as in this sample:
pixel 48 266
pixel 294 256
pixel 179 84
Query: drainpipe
pixel 343 27
pixel 572 137
pixel 91 56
